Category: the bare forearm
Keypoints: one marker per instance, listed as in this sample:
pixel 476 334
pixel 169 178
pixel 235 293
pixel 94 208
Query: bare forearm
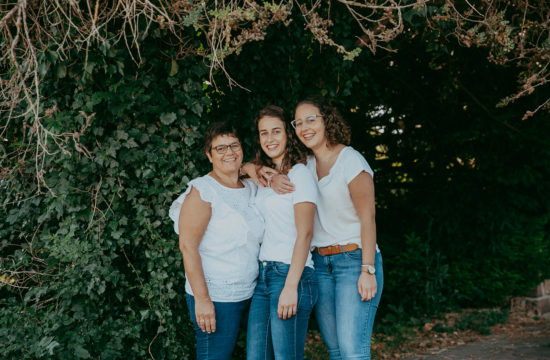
pixel 368 240
pixel 303 217
pixel 299 258
pixel 195 273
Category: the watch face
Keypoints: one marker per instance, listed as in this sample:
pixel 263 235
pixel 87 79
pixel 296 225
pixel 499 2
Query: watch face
pixel 371 269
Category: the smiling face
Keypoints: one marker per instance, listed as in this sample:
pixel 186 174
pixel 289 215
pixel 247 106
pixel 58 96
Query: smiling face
pixel 231 160
pixel 312 130
pixel 273 138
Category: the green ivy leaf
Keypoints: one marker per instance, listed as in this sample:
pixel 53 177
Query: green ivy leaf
pixel 174 68
pixel 167 118
pixel 80 352
pixel 61 71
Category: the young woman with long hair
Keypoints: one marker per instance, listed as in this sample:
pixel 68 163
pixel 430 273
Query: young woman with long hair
pixel 287 289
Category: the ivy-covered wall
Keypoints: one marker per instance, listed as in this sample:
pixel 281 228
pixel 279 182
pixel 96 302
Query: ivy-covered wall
pixel 92 264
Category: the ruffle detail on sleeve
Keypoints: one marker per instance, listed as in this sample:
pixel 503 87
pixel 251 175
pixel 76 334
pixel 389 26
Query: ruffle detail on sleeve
pixel 205 191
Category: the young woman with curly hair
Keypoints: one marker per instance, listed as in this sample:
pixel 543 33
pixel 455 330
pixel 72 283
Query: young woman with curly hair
pixel 348 263
pixel 287 289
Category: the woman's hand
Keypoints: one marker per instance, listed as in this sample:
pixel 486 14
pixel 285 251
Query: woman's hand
pixel 366 285
pixel 281 184
pixel 205 315
pixel 288 303
pixel 261 174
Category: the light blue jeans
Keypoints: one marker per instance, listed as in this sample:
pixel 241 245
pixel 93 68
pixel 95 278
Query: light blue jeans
pixel 344 320
pixel 268 336
pixel 219 344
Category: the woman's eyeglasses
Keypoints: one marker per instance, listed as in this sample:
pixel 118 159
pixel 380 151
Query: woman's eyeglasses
pixel 310 119
pixel 222 149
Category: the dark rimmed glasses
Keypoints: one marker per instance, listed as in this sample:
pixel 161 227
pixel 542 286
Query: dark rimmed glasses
pixel 222 149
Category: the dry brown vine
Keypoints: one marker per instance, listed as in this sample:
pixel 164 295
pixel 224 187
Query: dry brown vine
pixel 515 32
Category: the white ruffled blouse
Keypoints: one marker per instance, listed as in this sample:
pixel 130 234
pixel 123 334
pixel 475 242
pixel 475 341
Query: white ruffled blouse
pixel 229 248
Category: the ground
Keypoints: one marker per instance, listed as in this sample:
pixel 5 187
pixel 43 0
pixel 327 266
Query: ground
pixel 513 336
pixel 527 343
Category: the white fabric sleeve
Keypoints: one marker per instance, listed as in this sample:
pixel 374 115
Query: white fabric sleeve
pixel 305 186
pixel 354 163
pixel 205 192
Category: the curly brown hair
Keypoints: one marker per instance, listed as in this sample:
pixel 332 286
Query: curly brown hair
pixel 336 128
pixel 295 152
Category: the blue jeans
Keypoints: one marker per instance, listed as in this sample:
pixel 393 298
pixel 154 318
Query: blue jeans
pixel 344 320
pixel 219 344
pixel 268 336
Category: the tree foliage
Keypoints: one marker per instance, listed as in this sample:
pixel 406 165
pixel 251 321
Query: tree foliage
pixel 101 127
pixel 91 267
pixel 450 208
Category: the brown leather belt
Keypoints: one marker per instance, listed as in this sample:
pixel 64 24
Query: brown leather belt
pixel 335 249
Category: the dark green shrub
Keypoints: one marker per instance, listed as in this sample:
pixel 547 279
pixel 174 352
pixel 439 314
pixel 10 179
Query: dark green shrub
pixel 96 259
pixel 92 264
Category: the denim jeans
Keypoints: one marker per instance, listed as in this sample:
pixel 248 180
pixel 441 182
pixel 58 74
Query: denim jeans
pixel 219 344
pixel 344 320
pixel 268 336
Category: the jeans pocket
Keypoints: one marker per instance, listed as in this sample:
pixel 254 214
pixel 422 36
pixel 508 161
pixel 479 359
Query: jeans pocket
pixel 307 274
pixel 308 293
pixel 281 269
pixel 354 255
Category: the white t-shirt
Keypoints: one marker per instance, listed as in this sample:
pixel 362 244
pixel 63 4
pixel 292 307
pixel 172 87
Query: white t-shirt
pixel 337 222
pixel 230 245
pixel 278 211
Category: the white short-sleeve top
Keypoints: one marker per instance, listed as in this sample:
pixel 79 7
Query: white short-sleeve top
pixel 278 212
pixel 230 245
pixel 337 222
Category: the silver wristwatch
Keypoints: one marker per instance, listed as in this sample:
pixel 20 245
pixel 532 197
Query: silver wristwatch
pixel 369 268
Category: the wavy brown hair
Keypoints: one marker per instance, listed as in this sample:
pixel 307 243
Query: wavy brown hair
pixel 336 129
pixel 295 151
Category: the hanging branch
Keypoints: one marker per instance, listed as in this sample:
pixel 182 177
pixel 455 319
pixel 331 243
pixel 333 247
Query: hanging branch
pixel 515 33
pixel 61 26
pixel 379 21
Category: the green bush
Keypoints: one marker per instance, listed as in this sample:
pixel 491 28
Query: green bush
pixel 91 268
pixel 98 263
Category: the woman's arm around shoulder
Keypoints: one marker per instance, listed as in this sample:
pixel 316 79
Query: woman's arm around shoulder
pixel 262 174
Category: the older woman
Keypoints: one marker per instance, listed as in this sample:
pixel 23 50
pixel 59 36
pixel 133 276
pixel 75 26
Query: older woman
pixel 219 238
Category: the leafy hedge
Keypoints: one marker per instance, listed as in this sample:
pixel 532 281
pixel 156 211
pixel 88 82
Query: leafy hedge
pixel 93 268
pixel 106 276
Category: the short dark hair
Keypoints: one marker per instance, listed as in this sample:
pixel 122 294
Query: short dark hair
pixel 336 128
pixel 295 151
pixel 216 129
